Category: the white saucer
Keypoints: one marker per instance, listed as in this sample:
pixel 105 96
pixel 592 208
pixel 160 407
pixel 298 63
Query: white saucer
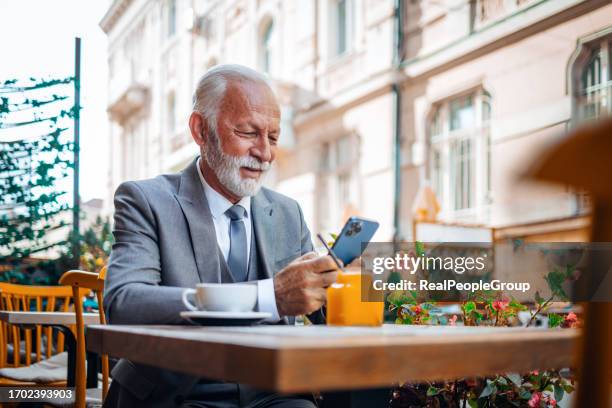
pixel 209 318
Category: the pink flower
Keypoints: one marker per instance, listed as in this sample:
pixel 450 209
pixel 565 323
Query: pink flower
pixel 535 372
pixel 534 401
pixel 550 401
pixel 571 317
pixel 500 305
pixel 417 309
pixel 452 321
pixel 571 320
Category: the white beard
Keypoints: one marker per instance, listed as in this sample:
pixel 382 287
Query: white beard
pixel 227 168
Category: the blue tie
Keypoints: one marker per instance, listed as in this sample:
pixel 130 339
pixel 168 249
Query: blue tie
pixel 237 258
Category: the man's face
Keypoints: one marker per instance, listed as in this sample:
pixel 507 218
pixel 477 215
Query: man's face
pixel 243 146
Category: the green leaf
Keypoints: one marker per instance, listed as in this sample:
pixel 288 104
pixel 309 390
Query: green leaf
pixel 473 403
pixel 469 307
pixel 408 320
pixel 555 281
pixel 501 380
pixel 559 393
pixel 515 378
pixel 554 320
pixel 397 299
pixel 427 306
pixel 517 305
pixel 431 391
pixel 394 277
pixel 537 380
pixel 539 299
pixel 569 271
pixel 568 388
pixel 419 248
pixel 488 390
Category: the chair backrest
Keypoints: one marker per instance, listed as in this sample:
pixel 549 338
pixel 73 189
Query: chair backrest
pixel 95 282
pixel 15 297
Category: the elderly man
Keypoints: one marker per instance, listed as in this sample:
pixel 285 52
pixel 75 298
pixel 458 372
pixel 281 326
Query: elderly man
pixel 213 222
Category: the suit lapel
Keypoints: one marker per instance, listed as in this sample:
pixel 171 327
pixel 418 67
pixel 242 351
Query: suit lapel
pixel 263 228
pixel 192 201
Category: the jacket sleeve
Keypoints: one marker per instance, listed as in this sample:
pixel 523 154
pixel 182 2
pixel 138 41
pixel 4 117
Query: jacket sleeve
pixel 132 293
pixel 317 317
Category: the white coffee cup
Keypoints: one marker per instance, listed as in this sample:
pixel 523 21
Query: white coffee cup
pixel 222 297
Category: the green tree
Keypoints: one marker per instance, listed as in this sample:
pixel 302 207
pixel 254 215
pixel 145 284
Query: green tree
pixel 35 155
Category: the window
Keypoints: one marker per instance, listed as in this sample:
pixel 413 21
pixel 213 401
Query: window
pixel 171 18
pixel 341 26
pixel 171 119
pixel 591 85
pixel 266 47
pixel 341 37
pixel 460 151
pixel 593 80
pixel 338 182
pixel 178 137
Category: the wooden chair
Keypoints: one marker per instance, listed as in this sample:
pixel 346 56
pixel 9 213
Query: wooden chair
pixel 14 297
pixel 95 282
pixel 582 160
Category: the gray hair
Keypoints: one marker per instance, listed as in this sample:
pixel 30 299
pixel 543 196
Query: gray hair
pixel 211 88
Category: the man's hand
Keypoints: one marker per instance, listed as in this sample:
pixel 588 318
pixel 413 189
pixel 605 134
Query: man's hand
pixel 300 287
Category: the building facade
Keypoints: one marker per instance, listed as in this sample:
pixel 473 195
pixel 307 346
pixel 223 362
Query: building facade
pixel 378 98
pixel 488 85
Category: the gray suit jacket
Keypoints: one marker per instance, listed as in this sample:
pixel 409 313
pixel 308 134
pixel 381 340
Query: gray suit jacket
pixel 164 242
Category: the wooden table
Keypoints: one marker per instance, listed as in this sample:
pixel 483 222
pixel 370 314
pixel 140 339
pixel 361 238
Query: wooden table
pixel 61 321
pixel 306 358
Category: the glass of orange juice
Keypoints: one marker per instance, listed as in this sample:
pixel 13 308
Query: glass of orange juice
pixel 345 305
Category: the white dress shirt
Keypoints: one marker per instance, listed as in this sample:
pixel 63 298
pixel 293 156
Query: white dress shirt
pixel 266 300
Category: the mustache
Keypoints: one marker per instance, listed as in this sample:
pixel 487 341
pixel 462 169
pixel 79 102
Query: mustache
pixel 253 163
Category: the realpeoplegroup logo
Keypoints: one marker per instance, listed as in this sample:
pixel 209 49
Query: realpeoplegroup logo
pixel 451 284
pixel 456 271
pixel 406 263
pixel 459 271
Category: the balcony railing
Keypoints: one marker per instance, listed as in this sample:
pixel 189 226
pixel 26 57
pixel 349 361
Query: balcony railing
pixel 486 11
pixel 127 96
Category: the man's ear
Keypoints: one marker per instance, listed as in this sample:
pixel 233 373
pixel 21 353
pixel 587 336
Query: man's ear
pixel 198 127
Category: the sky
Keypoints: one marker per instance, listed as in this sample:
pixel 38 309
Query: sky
pixel 38 41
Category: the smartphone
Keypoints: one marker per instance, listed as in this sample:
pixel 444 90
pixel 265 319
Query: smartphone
pixel 355 232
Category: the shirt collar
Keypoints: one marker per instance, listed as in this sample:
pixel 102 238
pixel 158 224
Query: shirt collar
pixel 216 202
